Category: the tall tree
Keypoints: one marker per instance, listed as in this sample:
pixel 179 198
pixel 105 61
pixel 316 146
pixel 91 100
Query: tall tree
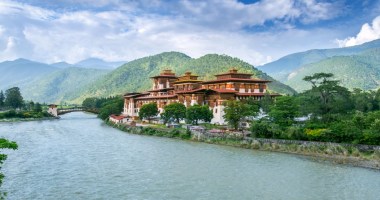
pixel 13 98
pixel 2 99
pixel 284 110
pixel 147 111
pixel 266 102
pixel 37 107
pixel 31 105
pixel 326 95
pixel 236 111
pixel 196 112
pixel 176 111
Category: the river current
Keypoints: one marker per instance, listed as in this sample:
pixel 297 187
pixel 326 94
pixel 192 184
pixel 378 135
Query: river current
pixel 79 157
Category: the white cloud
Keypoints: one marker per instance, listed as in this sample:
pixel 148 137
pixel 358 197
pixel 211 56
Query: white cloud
pixel 195 28
pixel 367 33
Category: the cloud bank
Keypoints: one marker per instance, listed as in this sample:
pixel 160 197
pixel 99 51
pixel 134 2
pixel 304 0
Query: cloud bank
pixel 117 30
pixel 367 33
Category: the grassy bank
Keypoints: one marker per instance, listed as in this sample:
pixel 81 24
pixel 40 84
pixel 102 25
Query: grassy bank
pixel 336 153
pixel 15 116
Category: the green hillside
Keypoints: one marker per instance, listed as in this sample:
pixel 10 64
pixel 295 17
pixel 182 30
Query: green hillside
pixel 355 71
pixel 134 76
pixel 281 68
pixel 61 85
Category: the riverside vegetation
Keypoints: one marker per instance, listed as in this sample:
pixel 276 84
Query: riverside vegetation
pixel 14 107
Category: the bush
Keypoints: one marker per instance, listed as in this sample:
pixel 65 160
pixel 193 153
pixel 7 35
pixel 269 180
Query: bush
pixel 294 133
pixel 343 131
pixel 316 134
pixel 265 129
pixel 11 113
pixel 185 135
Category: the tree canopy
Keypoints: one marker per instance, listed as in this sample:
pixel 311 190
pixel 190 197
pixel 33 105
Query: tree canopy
pixel 284 110
pixel 13 98
pixel 147 111
pixel 2 99
pixel 326 96
pixel 175 111
pixel 196 112
pixel 236 111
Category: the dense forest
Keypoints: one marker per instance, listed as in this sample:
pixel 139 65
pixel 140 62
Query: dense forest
pixel 327 112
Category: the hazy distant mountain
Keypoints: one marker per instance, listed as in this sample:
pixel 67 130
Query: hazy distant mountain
pixel 21 72
pixel 61 85
pixel 96 63
pixel 62 65
pixel 134 76
pixel 345 63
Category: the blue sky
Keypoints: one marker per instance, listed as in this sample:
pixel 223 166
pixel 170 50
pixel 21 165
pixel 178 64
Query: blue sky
pixel 254 31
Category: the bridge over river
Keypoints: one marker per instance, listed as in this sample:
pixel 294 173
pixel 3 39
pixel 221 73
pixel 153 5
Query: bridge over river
pixel 54 110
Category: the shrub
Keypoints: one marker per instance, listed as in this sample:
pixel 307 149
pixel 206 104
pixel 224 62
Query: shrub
pixel 294 133
pixel 316 134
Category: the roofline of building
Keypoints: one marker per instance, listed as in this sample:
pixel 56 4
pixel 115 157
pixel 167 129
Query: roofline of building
pixel 165 76
pixel 157 97
pixel 237 80
pixel 229 73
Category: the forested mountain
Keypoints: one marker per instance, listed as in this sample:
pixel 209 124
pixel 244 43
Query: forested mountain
pixel 73 84
pixel 281 68
pixel 134 76
pixel 21 71
pixel 345 63
pixel 355 71
pixel 61 85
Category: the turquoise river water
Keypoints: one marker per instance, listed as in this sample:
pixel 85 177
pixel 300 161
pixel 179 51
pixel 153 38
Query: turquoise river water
pixel 79 157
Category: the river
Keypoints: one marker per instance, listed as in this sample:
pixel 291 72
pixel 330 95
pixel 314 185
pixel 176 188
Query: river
pixel 79 157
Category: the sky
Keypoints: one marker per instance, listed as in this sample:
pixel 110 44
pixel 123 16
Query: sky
pixel 257 32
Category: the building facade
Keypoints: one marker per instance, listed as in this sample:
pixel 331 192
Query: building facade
pixel 187 89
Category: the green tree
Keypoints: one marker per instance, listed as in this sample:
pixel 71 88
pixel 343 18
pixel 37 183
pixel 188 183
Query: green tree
pixel 176 111
pixel 236 111
pixel 2 99
pixel 31 105
pixel 147 111
pixel 266 102
pixel 363 101
pixel 196 112
pixel 37 107
pixel 5 144
pixel 284 110
pixel 326 96
pixel 13 98
pixel 90 102
pixel 111 106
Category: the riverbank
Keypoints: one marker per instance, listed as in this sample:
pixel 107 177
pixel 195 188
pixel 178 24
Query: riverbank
pixel 354 155
pixel 16 116
pixel 26 119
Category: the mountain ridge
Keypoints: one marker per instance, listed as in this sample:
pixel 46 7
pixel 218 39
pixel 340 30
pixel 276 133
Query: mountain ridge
pixel 286 68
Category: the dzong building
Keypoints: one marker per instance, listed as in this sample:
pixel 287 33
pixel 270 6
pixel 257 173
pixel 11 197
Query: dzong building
pixel 187 89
